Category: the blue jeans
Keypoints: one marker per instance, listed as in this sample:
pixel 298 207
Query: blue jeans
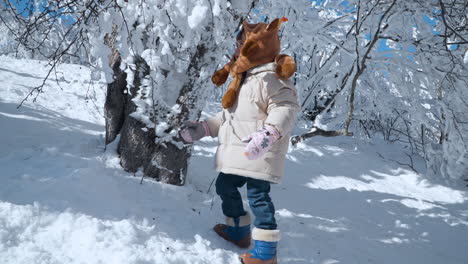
pixel 258 194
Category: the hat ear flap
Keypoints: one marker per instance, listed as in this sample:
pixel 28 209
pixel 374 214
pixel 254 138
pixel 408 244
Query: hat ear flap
pixel 230 96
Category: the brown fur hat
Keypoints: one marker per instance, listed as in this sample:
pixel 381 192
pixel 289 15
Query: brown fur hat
pixel 257 44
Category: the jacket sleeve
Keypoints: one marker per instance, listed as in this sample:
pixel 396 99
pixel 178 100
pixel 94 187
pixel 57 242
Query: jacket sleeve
pixel 282 106
pixel 214 123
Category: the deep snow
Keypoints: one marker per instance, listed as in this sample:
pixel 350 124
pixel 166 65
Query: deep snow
pixel 64 198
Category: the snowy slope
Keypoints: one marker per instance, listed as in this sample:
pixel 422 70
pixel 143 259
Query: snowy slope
pixel 64 198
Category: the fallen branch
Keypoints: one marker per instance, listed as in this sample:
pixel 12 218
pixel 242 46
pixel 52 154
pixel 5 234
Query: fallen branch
pixel 315 131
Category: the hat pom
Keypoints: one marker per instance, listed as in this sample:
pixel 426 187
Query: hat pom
pixel 220 77
pixel 285 66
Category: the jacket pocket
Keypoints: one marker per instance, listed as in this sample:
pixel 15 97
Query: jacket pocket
pixel 241 129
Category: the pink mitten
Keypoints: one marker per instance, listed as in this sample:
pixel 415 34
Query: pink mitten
pixel 260 142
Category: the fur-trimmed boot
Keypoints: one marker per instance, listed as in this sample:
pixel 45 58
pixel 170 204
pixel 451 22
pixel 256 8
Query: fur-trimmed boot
pixel 236 230
pixel 264 252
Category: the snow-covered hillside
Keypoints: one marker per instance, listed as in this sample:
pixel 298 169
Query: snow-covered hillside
pixel 65 199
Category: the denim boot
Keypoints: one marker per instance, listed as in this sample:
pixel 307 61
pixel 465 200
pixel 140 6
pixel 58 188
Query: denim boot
pixel 236 230
pixel 264 252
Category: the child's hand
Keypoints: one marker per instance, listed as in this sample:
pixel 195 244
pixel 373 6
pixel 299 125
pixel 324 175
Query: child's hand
pixel 260 142
pixel 194 130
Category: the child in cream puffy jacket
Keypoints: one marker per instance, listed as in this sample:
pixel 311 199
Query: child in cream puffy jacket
pixel 253 131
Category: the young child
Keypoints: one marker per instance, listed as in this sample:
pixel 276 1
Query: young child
pixel 253 131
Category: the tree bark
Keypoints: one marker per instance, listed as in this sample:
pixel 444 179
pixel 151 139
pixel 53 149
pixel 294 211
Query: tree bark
pixel 137 147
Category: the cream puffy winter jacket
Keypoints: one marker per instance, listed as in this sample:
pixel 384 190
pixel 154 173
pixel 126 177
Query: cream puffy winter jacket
pixel 263 99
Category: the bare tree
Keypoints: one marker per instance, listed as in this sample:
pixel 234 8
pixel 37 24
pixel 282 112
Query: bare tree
pixel 362 52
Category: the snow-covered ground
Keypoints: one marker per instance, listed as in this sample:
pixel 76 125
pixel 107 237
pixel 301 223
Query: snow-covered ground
pixel 64 198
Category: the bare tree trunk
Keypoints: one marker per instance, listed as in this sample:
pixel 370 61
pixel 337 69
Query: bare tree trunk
pixel 115 99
